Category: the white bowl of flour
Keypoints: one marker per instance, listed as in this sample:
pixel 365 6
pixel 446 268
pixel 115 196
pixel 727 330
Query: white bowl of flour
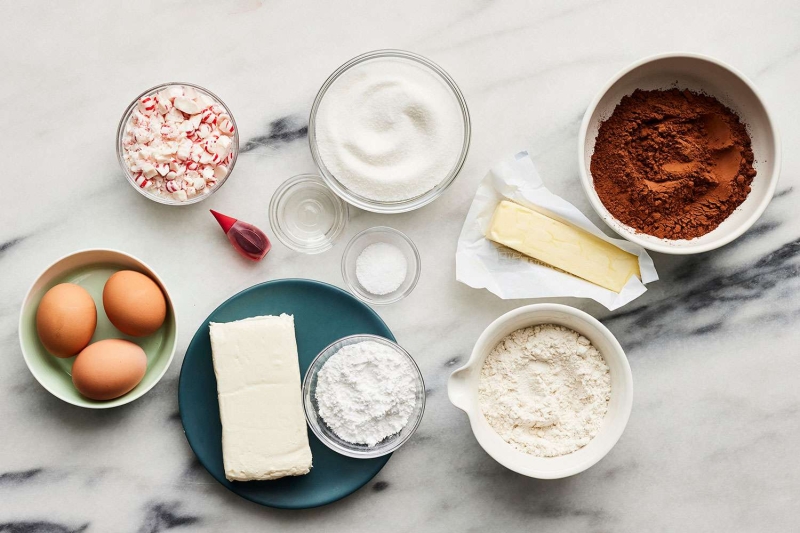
pixel 548 390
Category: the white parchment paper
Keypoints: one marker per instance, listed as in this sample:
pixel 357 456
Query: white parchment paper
pixel 481 263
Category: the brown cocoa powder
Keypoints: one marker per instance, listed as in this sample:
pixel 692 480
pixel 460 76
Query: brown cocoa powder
pixel 672 163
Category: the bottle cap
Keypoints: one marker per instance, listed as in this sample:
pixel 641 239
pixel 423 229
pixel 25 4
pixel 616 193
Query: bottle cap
pixel 225 221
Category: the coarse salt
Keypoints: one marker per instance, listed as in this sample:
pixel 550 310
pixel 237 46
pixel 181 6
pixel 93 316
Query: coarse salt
pixel 381 268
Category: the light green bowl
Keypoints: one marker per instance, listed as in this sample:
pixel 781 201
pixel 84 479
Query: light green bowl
pixel 91 269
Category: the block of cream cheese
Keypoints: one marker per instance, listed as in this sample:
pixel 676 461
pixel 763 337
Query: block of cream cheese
pixel 260 401
pixel 562 245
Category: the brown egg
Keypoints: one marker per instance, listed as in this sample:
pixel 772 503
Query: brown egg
pixel 134 303
pixel 66 319
pixel 108 369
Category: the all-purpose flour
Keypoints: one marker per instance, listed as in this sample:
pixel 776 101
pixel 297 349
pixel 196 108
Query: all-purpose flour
pixel 366 392
pixel 545 390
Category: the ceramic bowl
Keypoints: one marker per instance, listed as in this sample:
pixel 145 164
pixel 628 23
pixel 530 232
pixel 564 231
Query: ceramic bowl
pixel 700 74
pixel 462 389
pixel 326 434
pixel 90 269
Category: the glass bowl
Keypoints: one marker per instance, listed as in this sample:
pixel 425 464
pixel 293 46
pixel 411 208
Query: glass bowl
pixel 377 206
pixel 121 149
pixel 327 436
pixel 305 214
pixel 371 236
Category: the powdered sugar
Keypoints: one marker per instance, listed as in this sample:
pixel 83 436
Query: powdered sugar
pixel 545 390
pixel 381 268
pixel 366 392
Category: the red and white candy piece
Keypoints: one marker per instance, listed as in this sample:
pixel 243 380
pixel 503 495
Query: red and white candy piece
pixel 210 143
pixel 164 105
pixel 148 170
pixel 142 182
pixel 190 107
pixel 225 126
pixel 138 119
pixel 208 117
pixel 204 131
pixel 147 104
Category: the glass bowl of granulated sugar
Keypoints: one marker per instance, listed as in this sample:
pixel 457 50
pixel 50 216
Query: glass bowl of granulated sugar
pixel 389 131
pixel 363 396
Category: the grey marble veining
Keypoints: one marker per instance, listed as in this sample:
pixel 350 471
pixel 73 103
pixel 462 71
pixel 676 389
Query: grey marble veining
pixel 711 443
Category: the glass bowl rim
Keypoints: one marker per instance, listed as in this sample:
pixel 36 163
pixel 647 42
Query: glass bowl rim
pixel 120 149
pixel 369 453
pixel 408 204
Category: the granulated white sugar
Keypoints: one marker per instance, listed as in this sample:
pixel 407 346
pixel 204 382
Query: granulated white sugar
pixel 389 129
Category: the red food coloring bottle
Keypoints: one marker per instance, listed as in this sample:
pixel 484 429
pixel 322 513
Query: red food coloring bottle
pixel 247 239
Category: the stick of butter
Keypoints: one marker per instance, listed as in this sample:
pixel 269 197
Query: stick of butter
pixel 563 246
pixel 260 402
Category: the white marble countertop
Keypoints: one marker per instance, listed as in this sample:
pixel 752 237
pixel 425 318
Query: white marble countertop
pixel 711 443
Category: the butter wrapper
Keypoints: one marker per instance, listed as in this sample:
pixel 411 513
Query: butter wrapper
pixel 483 264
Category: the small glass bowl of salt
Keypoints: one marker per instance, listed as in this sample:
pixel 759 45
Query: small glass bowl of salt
pixel 381 265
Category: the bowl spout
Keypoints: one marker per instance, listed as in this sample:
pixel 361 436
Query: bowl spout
pixel 458 388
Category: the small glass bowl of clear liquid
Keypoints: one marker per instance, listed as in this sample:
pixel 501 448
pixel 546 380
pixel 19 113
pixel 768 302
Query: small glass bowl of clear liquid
pixel 306 215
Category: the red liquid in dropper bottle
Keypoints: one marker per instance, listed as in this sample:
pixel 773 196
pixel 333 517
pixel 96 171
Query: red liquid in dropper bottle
pixel 247 239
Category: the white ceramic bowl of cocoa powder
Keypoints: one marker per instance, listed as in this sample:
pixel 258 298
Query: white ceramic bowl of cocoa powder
pixel 699 74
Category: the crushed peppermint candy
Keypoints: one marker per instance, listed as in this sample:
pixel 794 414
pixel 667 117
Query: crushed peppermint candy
pixel 179 142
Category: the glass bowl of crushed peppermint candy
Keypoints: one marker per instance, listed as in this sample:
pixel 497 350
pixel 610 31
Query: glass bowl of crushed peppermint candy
pixel 177 143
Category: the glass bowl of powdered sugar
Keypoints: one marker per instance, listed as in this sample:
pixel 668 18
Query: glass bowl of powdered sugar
pixel 363 396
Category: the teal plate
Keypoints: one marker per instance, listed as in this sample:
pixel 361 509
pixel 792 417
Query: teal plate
pixel 322 315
